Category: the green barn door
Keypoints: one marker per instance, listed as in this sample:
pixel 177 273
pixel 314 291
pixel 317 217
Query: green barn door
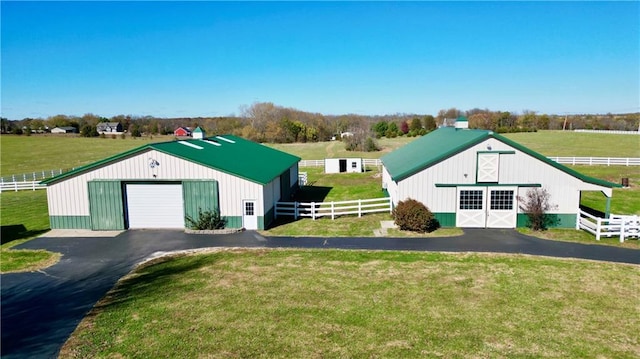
pixel 200 195
pixel 106 205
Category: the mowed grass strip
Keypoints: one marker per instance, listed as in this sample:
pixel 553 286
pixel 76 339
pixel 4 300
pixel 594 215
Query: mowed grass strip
pixel 337 304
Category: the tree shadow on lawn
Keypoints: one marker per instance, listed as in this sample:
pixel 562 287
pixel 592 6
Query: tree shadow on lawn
pixel 14 232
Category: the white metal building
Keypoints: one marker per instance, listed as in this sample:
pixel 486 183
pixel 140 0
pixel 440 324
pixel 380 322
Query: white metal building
pixel 157 185
pixel 473 178
pixel 340 165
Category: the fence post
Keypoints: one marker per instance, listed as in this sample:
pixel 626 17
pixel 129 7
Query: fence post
pixel 24 177
pixel 15 186
pixel 275 210
pixel 359 208
pixel 295 210
pixel 608 161
pixel 598 224
pixel 333 214
pixel 622 230
pixel 578 220
pixel 313 210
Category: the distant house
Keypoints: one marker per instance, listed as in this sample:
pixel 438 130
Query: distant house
pixel 65 129
pixel 182 132
pixel 109 127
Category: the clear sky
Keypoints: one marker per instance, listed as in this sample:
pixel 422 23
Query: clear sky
pixel 171 59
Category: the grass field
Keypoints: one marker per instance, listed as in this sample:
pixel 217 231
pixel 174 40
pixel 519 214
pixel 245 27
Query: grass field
pixel 24 154
pixel 360 304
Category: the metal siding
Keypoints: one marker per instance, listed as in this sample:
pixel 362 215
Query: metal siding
pixel 69 197
pixel 514 168
pixel 200 195
pixel 70 222
pixel 106 205
pixel 285 187
pixel 293 172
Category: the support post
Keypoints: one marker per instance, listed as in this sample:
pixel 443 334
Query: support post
pixel 313 210
pixel 607 210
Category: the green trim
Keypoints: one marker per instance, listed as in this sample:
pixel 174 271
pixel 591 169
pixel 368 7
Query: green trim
pixel 445 142
pixel 558 220
pixel 429 150
pixel 555 164
pixel 261 225
pixel 446 219
pixel 97 164
pixel 70 222
pixel 445 185
pixel 499 152
pixel 233 221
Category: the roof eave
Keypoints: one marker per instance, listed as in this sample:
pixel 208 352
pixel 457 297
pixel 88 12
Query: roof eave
pixel 555 164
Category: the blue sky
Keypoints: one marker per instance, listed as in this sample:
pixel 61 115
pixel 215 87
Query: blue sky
pixel 171 59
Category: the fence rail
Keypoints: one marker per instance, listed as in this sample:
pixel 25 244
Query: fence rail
pixel 33 176
pixel 615 132
pixel 332 209
pixel 592 161
pixel 19 186
pixel 614 226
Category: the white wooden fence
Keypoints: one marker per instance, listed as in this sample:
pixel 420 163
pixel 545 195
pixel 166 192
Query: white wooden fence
pixel 18 186
pixel 332 209
pixel 617 225
pixel 614 132
pixel 303 178
pixel 592 161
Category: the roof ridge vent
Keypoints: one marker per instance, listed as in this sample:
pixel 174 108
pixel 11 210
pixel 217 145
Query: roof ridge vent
pixel 189 144
pixel 461 123
pixel 211 142
pixel 225 139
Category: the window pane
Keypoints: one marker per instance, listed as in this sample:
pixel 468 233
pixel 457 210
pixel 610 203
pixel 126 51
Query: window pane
pixel 502 200
pixel 471 200
pixel 248 208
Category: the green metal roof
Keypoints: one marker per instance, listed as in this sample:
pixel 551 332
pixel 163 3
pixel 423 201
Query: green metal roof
pixel 230 154
pixel 430 149
pixel 448 141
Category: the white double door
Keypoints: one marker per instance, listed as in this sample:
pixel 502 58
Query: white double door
pixel 486 207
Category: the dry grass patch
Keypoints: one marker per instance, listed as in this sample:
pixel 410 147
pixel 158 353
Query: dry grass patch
pixel 332 303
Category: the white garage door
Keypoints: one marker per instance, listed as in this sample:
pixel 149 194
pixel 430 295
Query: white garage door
pixel 155 206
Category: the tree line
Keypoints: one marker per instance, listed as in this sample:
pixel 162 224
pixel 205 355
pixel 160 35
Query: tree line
pixel 267 122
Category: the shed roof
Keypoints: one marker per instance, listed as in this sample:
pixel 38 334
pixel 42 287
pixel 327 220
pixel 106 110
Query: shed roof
pixel 448 141
pixel 230 154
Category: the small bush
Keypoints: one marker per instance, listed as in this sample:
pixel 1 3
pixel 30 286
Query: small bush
pixel 411 215
pixel 536 205
pixel 206 220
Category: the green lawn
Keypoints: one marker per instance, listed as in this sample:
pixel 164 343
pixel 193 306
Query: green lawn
pixel 24 154
pixel 568 143
pixel 361 304
pixel 23 215
pixel 548 143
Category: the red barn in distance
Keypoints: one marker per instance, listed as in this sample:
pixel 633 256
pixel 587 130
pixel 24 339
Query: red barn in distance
pixel 182 132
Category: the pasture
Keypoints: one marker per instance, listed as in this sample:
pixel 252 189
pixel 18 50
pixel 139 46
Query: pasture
pixel 361 304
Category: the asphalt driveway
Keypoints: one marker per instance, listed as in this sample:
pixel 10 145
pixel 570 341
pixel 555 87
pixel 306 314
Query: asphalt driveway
pixel 41 309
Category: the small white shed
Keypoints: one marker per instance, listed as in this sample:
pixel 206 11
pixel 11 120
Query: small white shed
pixel 340 165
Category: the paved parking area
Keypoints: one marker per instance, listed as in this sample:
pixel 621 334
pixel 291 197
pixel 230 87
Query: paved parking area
pixel 41 309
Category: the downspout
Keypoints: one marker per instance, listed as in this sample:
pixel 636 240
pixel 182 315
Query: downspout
pixel 607 209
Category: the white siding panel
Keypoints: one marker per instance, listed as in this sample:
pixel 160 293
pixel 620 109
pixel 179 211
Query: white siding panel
pixel 518 168
pixel 293 174
pixel 71 197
